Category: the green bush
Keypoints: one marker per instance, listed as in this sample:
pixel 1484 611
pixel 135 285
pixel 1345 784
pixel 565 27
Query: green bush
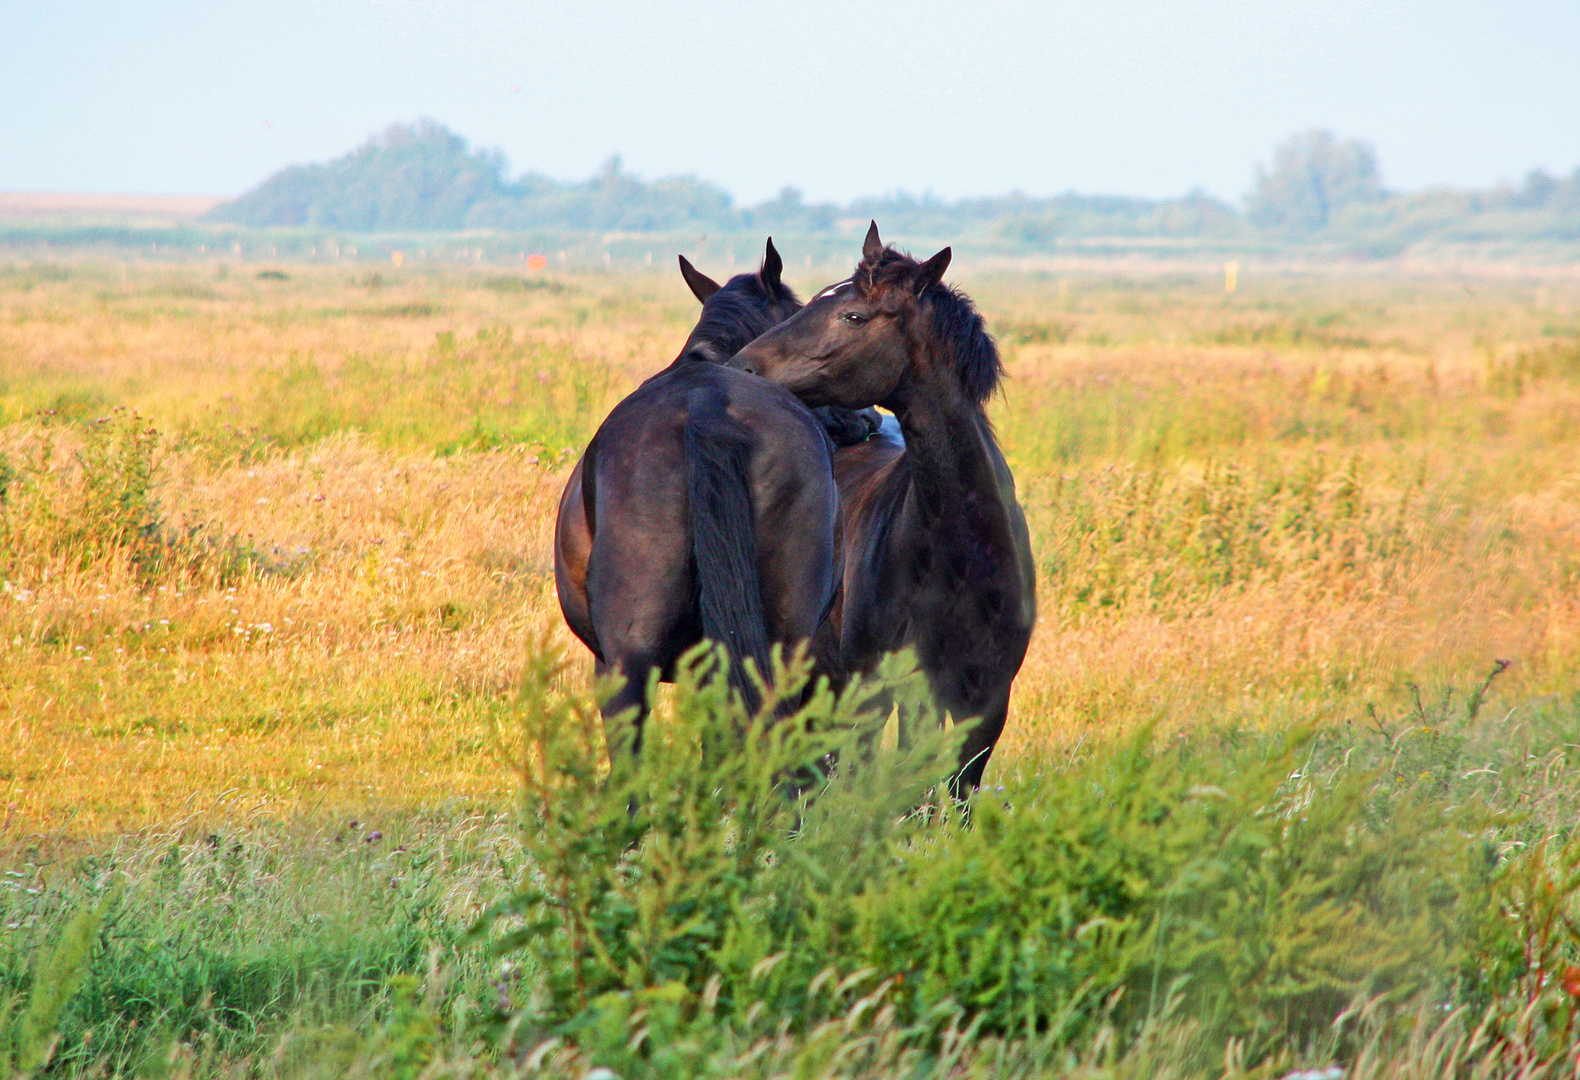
pixel 710 875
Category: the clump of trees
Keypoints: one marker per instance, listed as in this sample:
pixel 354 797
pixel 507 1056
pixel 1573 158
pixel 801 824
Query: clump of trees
pixel 424 176
pixel 612 199
pixel 1313 176
pixel 418 176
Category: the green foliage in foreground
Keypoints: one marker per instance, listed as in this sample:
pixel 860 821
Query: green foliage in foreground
pixel 1231 902
pixel 227 938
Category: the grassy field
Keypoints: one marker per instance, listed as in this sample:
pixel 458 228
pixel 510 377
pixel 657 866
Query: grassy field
pixel 278 594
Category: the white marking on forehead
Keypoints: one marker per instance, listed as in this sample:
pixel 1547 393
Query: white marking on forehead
pixel 832 289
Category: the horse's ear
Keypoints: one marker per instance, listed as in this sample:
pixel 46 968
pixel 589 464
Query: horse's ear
pixel 873 245
pixel 772 267
pixel 931 272
pixel 702 286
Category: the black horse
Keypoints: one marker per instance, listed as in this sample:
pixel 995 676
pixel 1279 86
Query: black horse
pixel 704 507
pixel 936 551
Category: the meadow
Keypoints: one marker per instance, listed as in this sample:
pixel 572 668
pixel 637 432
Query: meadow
pixel 1289 777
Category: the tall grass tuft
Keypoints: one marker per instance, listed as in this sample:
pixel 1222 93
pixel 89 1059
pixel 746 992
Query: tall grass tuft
pixel 28 1041
pixel 488 389
pixel 1158 541
pixel 82 495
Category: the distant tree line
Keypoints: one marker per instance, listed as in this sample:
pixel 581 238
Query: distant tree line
pixel 424 177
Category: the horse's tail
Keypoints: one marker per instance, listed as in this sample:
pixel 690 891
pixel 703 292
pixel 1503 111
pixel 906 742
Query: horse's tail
pixel 723 539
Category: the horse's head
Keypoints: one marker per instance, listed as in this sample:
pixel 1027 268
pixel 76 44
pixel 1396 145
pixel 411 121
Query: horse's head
pixel 853 343
pixel 737 311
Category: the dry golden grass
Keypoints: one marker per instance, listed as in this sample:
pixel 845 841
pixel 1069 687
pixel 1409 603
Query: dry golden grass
pixel 1286 506
pixel 369 674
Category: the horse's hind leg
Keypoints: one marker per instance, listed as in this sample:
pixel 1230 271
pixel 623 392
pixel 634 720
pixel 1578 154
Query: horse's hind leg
pixel 644 622
pixel 647 636
pixel 633 673
pixel 639 586
pixel 798 570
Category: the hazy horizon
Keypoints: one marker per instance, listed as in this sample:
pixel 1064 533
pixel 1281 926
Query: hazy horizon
pixel 841 101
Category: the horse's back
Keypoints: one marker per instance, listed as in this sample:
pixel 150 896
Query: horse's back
pixel 640 571
pixel 639 580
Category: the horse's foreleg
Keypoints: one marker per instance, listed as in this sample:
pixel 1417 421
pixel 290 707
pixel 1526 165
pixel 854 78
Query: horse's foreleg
pixel 976 750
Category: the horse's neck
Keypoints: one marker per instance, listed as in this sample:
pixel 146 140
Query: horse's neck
pixel 951 455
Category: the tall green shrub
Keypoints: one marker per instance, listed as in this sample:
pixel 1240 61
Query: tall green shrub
pixel 714 868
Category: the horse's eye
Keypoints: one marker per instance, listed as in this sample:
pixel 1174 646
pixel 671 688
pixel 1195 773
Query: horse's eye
pixel 855 318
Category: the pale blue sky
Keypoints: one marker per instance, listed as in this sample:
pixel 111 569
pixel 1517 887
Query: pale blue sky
pixel 840 99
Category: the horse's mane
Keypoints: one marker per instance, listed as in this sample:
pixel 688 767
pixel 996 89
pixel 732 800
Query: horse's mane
pixel 744 308
pixel 955 319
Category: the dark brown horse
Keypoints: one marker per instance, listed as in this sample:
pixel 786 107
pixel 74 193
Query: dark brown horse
pixel 704 507
pixel 936 552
